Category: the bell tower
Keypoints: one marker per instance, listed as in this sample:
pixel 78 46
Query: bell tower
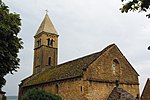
pixel 45 46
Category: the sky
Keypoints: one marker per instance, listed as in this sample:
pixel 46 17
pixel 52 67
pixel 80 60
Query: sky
pixel 84 27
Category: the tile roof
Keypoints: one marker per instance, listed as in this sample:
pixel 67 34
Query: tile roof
pixel 66 70
pixel 120 94
pixel 46 26
pixel 146 91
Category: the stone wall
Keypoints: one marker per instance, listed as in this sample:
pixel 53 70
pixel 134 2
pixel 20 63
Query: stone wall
pixel 146 92
pixel 2 95
pixel 101 91
pixel 102 69
pixel 45 55
pixel 102 77
pixel 73 89
pixel 79 89
pixel 98 79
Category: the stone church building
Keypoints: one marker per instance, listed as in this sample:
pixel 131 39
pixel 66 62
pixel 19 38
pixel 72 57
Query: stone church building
pixel 146 91
pixel 92 77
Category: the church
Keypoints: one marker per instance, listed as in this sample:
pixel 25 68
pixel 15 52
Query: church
pixel 146 91
pixel 98 76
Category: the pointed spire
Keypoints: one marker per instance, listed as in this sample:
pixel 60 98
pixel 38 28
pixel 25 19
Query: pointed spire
pixel 46 26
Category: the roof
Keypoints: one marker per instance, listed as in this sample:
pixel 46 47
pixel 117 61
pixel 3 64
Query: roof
pixel 66 70
pixel 128 62
pixel 120 94
pixel 46 26
pixel 70 69
pixel 146 91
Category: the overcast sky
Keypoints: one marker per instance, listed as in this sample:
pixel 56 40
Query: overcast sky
pixel 84 27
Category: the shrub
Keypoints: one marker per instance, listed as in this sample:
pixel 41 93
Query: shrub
pixel 35 94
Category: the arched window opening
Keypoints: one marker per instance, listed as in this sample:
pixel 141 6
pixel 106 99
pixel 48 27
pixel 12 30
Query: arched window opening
pixel 48 42
pixel 81 88
pixel 49 61
pixel 51 42
pixel 115 65
pixel 57 88
pixel 39 43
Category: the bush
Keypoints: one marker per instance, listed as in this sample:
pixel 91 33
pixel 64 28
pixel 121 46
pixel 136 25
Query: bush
pixel 35 94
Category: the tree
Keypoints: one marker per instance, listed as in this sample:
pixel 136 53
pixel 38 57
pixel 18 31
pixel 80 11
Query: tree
pixel 149 48
pixel 35 94
pixel 10 43
pixel 136 5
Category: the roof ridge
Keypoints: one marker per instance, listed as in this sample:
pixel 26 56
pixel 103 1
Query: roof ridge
pixel 119 91
pixel 127 61
pixel 88 54
pixel 84 61
pixel 101 52
pixel 148 79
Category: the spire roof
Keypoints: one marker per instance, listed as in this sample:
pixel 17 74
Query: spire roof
pixel 46 26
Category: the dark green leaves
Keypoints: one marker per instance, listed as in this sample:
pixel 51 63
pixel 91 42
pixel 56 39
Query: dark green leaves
pixel 136 5
pixel 10 43
pixel 149 48
pixel 35 94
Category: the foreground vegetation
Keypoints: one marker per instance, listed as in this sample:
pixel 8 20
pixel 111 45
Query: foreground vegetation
pixel 35 94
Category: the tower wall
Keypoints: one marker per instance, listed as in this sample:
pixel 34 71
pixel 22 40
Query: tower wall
pixel 45 51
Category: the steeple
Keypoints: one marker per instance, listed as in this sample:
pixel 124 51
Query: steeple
pixel 45 46
pixel 46 26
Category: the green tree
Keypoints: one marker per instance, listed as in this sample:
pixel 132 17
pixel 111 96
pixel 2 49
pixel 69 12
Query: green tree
pixel 35 94
pixel 10 43
pixel 149 48
pixel 136 5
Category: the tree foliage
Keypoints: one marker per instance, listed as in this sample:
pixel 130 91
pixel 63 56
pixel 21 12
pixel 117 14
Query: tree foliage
pixel 10 43
pixel 136 5
pixel 149 48
pixel 35 94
